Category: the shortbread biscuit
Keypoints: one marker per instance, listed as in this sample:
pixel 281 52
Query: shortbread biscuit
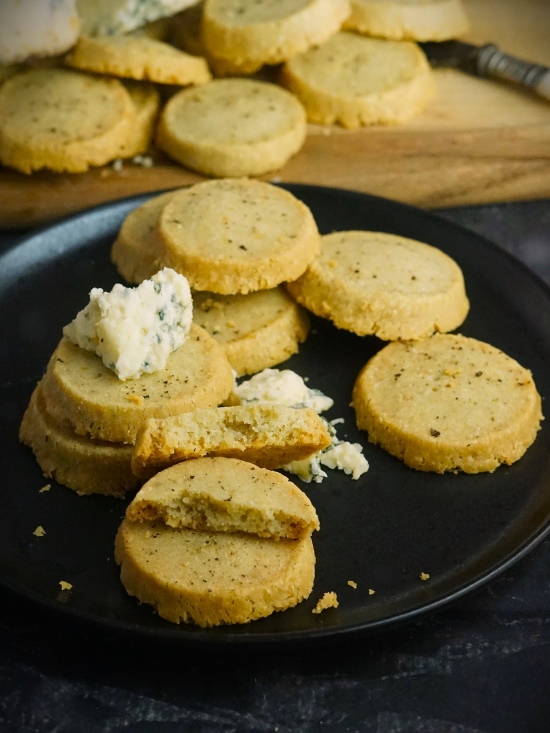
pixel 354 80
pixel 250 35
pixel 415 20
pixel 236 235
pixel 268 435
pixel 212 578
pixel 373 283
pixel 232 127
pixel 225 495
pixel 75 461
pixel 257 331
pixel 136 252
pixel 63 120
pixel 448 403
pixel 138 57
pixel 146 99
pixel 80 390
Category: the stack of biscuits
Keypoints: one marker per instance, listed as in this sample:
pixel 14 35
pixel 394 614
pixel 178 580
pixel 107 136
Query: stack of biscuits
pixel 237 241
pixel 350 62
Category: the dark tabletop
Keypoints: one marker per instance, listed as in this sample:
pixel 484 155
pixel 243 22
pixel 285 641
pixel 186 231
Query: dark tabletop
pixel 480 666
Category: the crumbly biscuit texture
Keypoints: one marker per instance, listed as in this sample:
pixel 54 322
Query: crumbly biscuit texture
pixel 448 403
pixel 237 235
pixel 232 127
pixel 267 32
pixel 212 578
pixel 79 390
pixel 75 461
pixel 225 495
pixel 267 435
pixel 257 330
pixel 354 80
pixel 136 251
pixel 415 20
pixel 374 283
pixel 63 120
pixel 138 57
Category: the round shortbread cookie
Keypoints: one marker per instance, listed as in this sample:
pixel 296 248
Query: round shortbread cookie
pixel 415 20
pixel 79 390
pixel 146 99
pixel 232 127
pixel 225 495
pixel 448 403
pixel 137 252
pixel 268 435
pixel 75 461
pixel 212 578
pixel 373 283
pixel 237 235
pixel 257 331
pixel 250 35
pixel 354 80
pixel 138 57
pixel 63 120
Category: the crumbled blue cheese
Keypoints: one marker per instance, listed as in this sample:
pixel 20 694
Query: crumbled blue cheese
pixel 288 388
pixel 134 330
pixel 283 387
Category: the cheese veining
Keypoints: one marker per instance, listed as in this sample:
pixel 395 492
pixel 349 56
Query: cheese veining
pixel 134 330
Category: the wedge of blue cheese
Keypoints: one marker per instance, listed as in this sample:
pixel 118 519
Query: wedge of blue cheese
pixel 134 330
pixel 116 17
pixel 285 387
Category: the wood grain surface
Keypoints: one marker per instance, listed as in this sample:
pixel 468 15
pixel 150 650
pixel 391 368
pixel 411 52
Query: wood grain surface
pixel 478 141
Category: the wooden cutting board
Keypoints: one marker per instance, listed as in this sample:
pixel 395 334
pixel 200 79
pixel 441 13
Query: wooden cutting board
pixel 477 142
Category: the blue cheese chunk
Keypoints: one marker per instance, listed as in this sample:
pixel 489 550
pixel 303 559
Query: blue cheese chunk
pixel 285 387
pixel 134 330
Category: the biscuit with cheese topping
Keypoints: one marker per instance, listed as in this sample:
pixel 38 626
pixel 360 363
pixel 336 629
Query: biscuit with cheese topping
pixel 81 391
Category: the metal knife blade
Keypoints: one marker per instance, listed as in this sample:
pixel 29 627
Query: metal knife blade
pixel 489 61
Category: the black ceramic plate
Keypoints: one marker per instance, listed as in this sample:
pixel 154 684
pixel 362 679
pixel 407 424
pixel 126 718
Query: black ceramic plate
pixel 381 531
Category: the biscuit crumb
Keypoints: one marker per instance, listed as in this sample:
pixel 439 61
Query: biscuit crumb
pixel 371 592
pixel 39 531
pixel 47 487
pixel 65 585
pixel 136 399
pixel 328 600
pixel 424 576
pixel 352 583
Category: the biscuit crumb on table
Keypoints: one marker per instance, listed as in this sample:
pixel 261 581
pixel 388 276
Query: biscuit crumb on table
pixel 39 531
pixel 352 583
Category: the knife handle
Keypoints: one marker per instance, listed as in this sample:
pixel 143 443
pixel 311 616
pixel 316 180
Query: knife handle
pixel 494 63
